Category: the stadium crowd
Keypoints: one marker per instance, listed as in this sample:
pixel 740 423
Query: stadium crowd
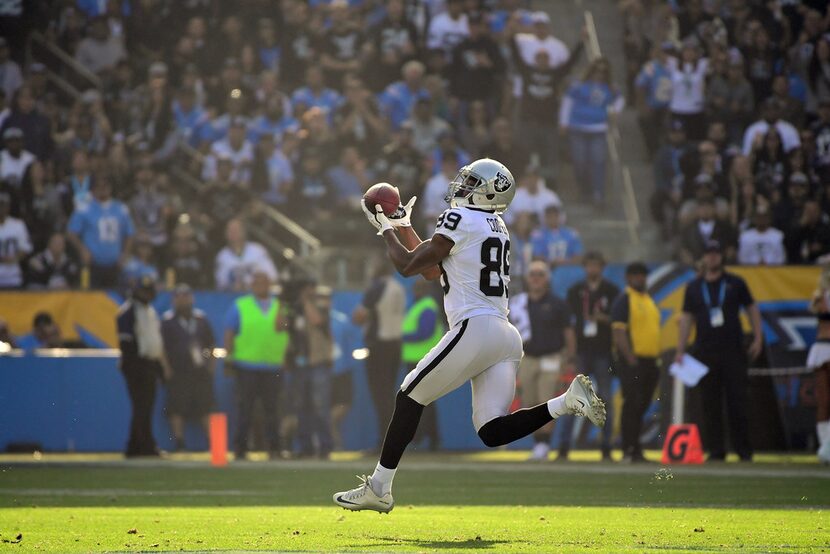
pixel 299 105
pixel 734 105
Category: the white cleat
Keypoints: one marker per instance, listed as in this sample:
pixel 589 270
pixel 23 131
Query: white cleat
pixel 364 498
pixel 581 400
pixel 539 453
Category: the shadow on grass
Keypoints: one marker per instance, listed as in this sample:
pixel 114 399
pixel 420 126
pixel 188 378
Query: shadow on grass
pixel 476 543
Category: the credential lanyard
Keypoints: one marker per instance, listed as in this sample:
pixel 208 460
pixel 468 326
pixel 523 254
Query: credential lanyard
pixel 721 294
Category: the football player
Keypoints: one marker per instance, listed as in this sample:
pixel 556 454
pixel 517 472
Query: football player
pixel 469 253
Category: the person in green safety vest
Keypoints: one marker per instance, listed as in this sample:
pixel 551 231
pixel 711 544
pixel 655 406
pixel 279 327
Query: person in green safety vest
pixel 256 340
pixel 423 326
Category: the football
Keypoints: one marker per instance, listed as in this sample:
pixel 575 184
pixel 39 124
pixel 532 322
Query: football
pixel 384 194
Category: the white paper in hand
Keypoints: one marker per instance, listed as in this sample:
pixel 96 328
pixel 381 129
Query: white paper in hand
pixel 690 371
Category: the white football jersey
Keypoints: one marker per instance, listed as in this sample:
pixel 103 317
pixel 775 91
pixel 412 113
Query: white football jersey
pixel 476 274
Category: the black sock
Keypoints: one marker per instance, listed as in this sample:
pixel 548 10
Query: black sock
pixel 506 429
pixel 401 430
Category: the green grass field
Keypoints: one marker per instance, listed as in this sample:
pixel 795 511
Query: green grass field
pixel 487 503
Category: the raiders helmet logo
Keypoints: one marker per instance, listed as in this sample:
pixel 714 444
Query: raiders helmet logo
pixel 501 182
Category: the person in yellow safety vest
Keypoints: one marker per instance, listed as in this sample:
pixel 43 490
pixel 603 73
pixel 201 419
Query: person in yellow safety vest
pixel 423 326
pixel 256 340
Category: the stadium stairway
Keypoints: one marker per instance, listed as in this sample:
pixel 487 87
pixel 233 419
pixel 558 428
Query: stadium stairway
pixel 607 231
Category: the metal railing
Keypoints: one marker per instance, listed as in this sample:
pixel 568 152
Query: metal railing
pixel 87 77
pixel 621 174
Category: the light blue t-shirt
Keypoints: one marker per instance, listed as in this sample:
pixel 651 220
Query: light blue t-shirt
pixel 556 244
pixel 103 228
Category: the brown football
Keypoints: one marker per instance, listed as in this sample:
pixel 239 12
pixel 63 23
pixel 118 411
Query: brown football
pixel 384 194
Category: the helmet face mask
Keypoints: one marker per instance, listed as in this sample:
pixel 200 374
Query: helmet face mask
pixel 485 184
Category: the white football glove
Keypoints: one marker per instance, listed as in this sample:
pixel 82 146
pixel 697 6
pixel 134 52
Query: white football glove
pixel 403 214
pixel 377 218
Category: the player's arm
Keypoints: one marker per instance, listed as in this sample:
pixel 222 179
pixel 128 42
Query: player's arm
pixel 424 257
pixel 410 240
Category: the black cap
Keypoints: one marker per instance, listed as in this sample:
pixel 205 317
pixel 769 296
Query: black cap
pixel 42 318
pixel 712 246
pixel 636 268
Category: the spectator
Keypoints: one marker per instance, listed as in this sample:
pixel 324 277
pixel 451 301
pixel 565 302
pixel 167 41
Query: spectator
pixel 809 239
pixel 185 259
pixel 538 104
pixel 141 264
pixel 188 116
pixel 540 38
pixel 150 206
pixel 14 159
pixel 80 180
pixel 705 190
pixel 239 261
pixel 314 362
pixel 524 224
pixel 697 234
pixel 688 76
pixel 770 117
pixel 236 148
pixel 789 203
pixel 313 185
pixel 36 127
pixel 477 67
pixel 99 52
pixel 474 131
pixel 730 98
pixel 315 95
pixel 275 121
pixel 654 93
pixel 358 120
pixel 556 243
pixel 381 313
pixel 791 109
pixel 52 268
pixel 422 329
pixel 272 175
pixel 434 202
pixel 342 44
pixel 398 99
pixel 821 131
pixel 393 42
pixel 532 196
pixel 45 206
pixel 635 320
pixel 11 78
pixel 761 244
pixel 298 42
pixel 401 163
pixel 713 302
pixel 14 245
pixel 349 177
pixel 545 324
pixel 188 346
pixel 45 334
pixel 584 114
pixel 6 337
pixel 770 165
pixel 426 126
pixel 590 302
pixel 142 363
pixel 504 146
pixel 223 199
pixel 448 28
pixel 256 342
pixel 101 232
pixel 668 179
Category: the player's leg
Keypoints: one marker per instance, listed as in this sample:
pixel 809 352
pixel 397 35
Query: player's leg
pixel 442 369
pixel 823 411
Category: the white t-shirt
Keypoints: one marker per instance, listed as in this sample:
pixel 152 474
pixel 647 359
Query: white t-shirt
pixel 789 135
pixel 241 159
pixel 761 248
pixel 475 275
pixel 14 240
pixel 12 169
pixel 446 32
pixel 525 201
pixel 232 269
pixel 688 86
pixel 434 193
pixel 529 45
